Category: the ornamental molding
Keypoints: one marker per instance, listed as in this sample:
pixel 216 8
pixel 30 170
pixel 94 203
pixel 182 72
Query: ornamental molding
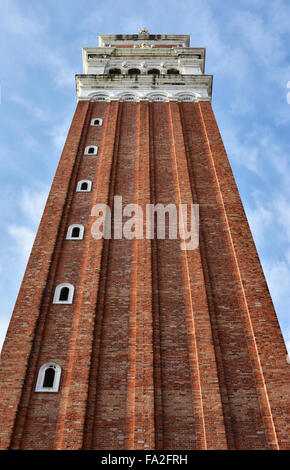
pixel 144 87
pixel 163 66
pixel 150 97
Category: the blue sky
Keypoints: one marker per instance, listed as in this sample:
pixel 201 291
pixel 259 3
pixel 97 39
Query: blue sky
pixel 247 51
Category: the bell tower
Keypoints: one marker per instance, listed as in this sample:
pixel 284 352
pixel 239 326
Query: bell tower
pixel 133 342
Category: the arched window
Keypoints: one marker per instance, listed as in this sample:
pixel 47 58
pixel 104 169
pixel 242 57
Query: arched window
pixel 153 72
pixel 114 71
pixel 134 72
pixel 128 96
pixel 172 72
pixel 75 232
pixel 97 122
pixel 91 150
pixel 63 294
pixel 100 96
pixel 84 186
pixel 48 378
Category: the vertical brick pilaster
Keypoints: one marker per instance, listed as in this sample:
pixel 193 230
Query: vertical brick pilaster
pixel 157 367
pixel 144 385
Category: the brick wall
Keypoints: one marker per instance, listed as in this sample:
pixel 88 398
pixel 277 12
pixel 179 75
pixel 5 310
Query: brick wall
pixel 161 348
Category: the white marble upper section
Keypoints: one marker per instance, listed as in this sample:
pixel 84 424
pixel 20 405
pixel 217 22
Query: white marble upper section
pixel 144 67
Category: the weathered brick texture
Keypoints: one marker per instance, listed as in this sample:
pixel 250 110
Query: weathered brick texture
pixel 161 348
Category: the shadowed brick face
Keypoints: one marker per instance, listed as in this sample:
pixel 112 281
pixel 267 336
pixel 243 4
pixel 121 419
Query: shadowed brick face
pixel 161 348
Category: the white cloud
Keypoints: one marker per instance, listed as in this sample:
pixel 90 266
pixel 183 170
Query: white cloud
pixel 278 276
pixel 287 255
pixel 64 72
pixel 282 214
pixel 257 36
pixel 31 144
pixel 32 204
pixel 30 107
pixel 260 34
pixel 226 58
pixel 23 236
pixel 277 273
pixel 27 36
pixel 59 134
pixel 4 322
pixel 260 221
pixel 248 149
pixel 13 22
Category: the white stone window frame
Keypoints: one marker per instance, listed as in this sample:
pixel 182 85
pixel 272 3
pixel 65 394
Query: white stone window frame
pixel 41 375
pixel 126 96
pixel 58 291
pixel 100 96
pixel 79 186
pixel 187 96
pixel 97 125
pixel 70 230
pixel 158 96
pixel 90 153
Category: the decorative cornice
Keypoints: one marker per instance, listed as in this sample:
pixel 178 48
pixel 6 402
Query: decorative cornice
pixel 94 57
pixel 144 87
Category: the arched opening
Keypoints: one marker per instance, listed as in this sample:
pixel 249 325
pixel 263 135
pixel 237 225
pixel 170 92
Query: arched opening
pixel 49 377
pixel 75 232
pixel 96 122
pixel 172 72
pixel 114 71
pixel 84 185
pixel 91 150
pixel 64 294
pixel 153 72
pixel 134 72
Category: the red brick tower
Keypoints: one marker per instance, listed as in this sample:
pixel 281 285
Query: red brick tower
pixel 138 344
